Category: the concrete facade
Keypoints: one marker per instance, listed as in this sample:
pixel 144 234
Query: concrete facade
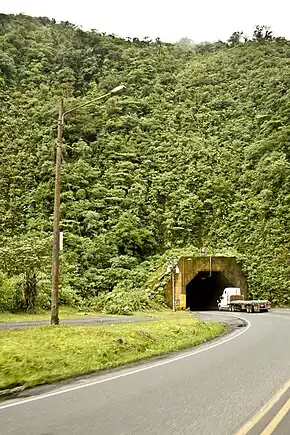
pixel 189 267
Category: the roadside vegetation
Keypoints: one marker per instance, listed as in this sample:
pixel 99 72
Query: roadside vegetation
pixel 36 356
pixel 65 312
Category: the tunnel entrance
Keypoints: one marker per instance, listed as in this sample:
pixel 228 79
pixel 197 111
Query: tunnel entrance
pixel 203 291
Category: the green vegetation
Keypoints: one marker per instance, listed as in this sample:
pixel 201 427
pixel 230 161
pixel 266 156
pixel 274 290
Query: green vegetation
pixel 195 153
pixel 65 312
pixel 28 357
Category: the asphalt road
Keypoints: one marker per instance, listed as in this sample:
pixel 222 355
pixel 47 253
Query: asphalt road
pixel 215 389
pixel 73 322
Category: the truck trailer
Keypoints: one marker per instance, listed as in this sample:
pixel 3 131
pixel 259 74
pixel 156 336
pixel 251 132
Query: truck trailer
pixel 232 300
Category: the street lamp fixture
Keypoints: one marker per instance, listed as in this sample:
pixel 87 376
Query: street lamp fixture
pixel 118 89
pixel 56 216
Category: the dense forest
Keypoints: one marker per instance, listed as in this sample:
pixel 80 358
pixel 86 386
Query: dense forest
pixel 195 153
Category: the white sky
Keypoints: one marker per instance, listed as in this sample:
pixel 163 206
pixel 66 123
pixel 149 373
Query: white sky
pixel 199 20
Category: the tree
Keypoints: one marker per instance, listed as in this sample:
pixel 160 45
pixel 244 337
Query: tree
pixel 262 33
pixel 235 38
pixel 25 255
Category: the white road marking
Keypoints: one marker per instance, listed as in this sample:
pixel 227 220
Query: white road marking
pixel 132 372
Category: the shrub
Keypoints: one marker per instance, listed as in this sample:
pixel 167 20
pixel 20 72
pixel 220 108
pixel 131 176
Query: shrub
pixel 10 293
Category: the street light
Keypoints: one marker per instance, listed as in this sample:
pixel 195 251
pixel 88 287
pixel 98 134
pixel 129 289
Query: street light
pixel 56 216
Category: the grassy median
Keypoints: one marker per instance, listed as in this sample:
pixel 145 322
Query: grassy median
pixel 41 355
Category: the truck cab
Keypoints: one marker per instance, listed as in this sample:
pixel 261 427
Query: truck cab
pixel 229 294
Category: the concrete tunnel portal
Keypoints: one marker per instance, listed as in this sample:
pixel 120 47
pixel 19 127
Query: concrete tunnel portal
pixel 196 283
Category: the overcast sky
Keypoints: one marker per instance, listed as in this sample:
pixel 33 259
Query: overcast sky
pixel 199 20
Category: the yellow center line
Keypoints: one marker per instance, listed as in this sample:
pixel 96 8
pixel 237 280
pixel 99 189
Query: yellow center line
pixel 277 419
pixel 264 410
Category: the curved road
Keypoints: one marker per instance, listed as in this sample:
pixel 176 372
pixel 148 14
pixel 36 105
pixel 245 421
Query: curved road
pixel 215 389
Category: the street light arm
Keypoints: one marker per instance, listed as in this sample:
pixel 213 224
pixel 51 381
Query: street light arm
pixel 85 104
pixel 114 91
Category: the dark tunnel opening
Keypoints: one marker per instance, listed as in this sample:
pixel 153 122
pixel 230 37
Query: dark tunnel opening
pixel 203 291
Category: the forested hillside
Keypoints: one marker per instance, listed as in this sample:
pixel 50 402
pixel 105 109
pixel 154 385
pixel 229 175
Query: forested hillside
pixel 194 153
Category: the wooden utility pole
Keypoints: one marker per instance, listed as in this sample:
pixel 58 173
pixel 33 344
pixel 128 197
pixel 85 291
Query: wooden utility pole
pixel 56 222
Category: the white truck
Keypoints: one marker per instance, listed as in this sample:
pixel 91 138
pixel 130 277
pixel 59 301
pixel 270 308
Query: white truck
pixel 232 300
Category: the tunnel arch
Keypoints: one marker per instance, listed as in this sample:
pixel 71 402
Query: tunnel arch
pixel 185 285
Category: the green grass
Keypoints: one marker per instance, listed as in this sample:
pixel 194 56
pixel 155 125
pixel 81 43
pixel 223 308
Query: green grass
pixel 64 313
pixel 46 354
